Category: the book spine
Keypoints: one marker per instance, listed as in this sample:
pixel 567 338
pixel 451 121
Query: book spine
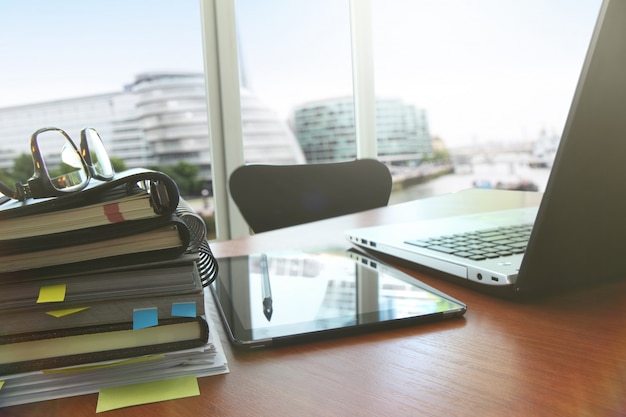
pixel 99 356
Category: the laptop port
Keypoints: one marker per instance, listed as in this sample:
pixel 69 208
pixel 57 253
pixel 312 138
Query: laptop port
pixel 480 277
pixel 496 279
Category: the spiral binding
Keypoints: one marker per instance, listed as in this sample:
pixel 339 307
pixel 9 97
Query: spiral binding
pixel 207 264
pixel 195 224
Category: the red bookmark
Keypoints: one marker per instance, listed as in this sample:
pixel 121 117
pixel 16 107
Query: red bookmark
pixel 112 211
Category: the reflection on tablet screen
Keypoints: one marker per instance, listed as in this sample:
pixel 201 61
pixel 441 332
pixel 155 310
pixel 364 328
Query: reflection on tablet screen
pixel 265 298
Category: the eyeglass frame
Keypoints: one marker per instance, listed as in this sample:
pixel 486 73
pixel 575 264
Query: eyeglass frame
pixel 37 186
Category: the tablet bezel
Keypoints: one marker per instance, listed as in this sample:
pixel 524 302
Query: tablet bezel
pixel 244 336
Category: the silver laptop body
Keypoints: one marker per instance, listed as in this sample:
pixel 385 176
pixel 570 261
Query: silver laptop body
pixel 579 231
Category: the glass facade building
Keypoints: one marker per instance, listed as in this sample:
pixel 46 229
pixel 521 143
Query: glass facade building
pixel 326 131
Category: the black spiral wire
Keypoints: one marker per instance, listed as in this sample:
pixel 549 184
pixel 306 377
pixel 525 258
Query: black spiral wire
pixel 207 264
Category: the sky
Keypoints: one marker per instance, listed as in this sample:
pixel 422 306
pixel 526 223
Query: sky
pixel 483 70
pixel 73 48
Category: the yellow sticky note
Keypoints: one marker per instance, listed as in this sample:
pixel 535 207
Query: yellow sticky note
pixel 147 392
pixel 52 293
pixel 1 384
pixel 66 312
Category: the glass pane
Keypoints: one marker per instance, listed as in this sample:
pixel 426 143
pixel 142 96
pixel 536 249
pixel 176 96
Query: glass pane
pixel 296 79
pixel 493 80
pixel 133 70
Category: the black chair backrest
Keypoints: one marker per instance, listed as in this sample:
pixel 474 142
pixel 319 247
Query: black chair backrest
pixel 274 196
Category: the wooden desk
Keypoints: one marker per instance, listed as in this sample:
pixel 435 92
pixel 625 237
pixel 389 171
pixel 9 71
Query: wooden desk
pixel 563 356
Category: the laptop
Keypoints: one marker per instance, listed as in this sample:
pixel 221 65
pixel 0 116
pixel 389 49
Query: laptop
pixel 577 235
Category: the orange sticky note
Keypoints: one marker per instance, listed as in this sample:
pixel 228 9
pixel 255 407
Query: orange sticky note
pixel 52 293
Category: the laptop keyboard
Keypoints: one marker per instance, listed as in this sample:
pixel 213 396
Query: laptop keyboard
pixel 482 244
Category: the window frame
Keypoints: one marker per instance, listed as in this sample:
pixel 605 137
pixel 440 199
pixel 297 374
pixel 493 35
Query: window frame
pixel 221 64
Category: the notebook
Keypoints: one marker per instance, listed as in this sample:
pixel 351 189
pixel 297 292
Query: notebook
pixel 576 236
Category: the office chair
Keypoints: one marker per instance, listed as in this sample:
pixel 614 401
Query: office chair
pixel 274 196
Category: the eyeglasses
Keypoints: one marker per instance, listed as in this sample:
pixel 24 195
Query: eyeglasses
pixel 60 167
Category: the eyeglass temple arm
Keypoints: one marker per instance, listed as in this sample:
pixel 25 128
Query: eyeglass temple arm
pixel 21 191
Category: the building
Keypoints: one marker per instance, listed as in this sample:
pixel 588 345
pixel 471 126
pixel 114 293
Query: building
pixel 158 120
pixel 171 113
pixel 326 131
pixel 18 123
pixel 266 137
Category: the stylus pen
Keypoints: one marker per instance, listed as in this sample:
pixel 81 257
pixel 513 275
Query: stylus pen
pixel 266 289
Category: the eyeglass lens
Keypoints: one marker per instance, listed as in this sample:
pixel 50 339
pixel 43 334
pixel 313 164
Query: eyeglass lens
pixel 62 160
pixel 96 155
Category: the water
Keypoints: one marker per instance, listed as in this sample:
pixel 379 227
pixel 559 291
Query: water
pixel 486 175
pixel 462 179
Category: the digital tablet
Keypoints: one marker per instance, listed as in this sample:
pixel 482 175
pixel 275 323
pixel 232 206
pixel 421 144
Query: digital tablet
pixel 279 298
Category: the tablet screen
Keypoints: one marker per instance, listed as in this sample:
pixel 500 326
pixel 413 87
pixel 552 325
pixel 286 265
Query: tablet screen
pixel 273 298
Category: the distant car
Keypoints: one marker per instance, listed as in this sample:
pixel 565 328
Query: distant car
pixel 482 184
pixel 523 185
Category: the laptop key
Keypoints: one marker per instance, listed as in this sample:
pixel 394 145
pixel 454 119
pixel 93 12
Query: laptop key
pixel 494 238
pixel 479 245
pixel 520 244
pixel 440 248
pixel 420 243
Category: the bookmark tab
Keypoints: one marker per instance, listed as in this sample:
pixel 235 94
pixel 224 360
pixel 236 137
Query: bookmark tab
pixel 65 312
pixel 148 392
pixel 145 317
pixel 113 213
pixel 184 309
pixel 52 293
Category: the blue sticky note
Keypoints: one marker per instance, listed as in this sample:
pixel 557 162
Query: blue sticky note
pixel 184 309
pixel 145 317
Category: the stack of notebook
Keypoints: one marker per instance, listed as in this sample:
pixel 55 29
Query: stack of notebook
pixel 101 288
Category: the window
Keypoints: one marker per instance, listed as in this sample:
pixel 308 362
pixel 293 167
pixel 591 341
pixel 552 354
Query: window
pixel 493 81
pixel 295 67
pixel 132 70
pixel 458 84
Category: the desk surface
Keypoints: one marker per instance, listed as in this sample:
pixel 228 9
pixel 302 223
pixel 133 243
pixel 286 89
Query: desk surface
pixel 562 356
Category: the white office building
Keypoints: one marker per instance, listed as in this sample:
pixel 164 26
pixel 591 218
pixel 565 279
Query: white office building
pixel 157 120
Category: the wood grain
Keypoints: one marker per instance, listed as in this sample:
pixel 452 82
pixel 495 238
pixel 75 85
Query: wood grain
pixel 560 356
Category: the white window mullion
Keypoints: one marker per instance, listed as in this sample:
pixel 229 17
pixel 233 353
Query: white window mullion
pixel 224 108
pixel 363 78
